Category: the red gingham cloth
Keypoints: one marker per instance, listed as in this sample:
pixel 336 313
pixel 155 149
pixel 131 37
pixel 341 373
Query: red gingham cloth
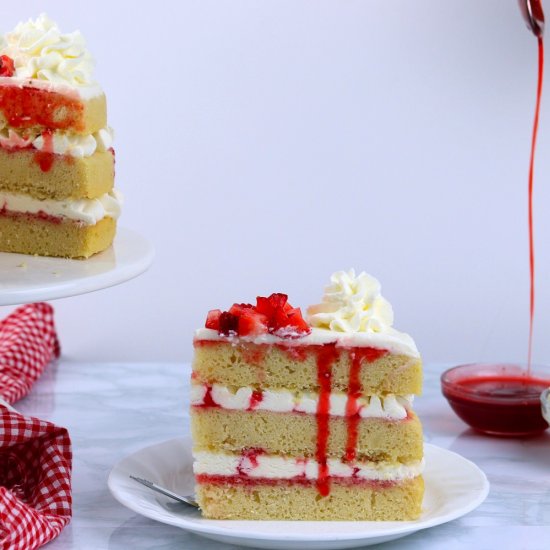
pixel 35 456
pixel 28 342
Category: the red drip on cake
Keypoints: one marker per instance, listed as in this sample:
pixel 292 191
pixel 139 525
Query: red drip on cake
pixel 208 400
pixel 46 156
pixel 249 460
pixel 26 107
pixel 326 356
pixel 353 409
pixel 255 399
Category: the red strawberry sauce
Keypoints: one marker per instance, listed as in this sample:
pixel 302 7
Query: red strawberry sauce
pixel 326 356
pixel 249 460
pixel 26 107
pixel 255 399
pixel 46 156
pixel 207 400
pixel 496 399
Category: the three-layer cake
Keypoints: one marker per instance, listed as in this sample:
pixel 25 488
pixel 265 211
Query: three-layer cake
pixel 56 156
pixel 311 421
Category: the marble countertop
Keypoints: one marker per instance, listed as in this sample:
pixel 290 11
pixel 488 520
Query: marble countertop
pixel 112 410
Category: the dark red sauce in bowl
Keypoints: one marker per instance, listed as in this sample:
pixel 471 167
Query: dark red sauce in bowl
pixel 497 399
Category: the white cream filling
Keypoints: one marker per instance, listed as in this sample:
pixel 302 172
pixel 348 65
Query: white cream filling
pixel 391 407
pixel 87 211
pixel 63 143
pixel 392 340
pixel 280 467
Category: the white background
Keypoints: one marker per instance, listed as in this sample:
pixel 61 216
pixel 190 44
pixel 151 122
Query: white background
pixel 263 145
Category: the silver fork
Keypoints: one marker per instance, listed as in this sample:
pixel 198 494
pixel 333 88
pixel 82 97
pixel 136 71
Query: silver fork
pixel 187 499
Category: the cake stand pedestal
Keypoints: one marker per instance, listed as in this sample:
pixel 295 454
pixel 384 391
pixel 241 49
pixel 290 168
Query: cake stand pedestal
pixel 25 279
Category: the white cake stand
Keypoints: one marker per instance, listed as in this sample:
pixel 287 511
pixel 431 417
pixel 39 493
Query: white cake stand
pixel 25 279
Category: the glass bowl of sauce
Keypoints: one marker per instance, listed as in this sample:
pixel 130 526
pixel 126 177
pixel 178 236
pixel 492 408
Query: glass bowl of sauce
pixel 498 399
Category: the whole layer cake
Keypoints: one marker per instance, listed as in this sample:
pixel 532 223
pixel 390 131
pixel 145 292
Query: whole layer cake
pixel 57 164
pixel 307 420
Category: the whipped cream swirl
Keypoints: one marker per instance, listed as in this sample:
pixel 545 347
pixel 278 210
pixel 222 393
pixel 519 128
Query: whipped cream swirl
pixel 352 304
pixel 40 51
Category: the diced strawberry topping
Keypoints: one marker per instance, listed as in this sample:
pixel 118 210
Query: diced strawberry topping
pixel 296 320
pixel 279 301
pixel 272 314
pixel 229 323
pixel 7 67
pixel 213 319
pixel 237 309
pixel 252 323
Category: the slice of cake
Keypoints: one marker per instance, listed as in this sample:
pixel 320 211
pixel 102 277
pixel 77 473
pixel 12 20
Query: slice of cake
pixel 57 163
pixel 313 420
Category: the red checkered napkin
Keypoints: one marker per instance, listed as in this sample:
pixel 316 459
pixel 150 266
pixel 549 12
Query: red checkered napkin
pixel 35 481
pixel 35 456
pixel 28 342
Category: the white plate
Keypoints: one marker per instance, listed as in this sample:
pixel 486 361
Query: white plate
pixel 454 487
pixel 25 279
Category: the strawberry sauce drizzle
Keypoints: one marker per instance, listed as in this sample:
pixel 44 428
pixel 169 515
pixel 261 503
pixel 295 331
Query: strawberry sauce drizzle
pixel 26 107
pixel 46 156
pixel 208 401
pixel 326 356
pixel 255 399
pixel 358 356
pixel 530 207
pixel 249 460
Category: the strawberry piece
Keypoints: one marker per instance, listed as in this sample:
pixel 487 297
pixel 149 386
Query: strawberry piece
pixel 278 300
pixel 229 323
pixel 296 320
pixel 7 67
pixel 252 323
pixel 271 305
pixel 272 314
pixel 283 319
pixel 279 319
pixel 263 306
pixel 237 309
pixel 213 319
